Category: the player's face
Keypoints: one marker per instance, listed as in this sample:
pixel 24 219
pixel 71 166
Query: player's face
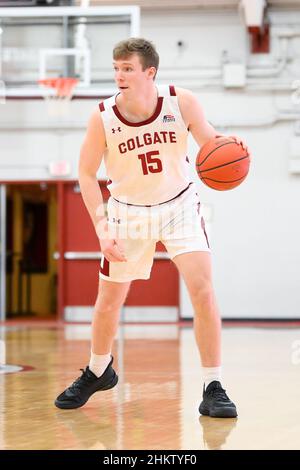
pixel 129 74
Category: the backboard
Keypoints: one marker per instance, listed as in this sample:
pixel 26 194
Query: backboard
pixel 40 43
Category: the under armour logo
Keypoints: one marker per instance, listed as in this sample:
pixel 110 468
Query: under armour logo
pixel 115 130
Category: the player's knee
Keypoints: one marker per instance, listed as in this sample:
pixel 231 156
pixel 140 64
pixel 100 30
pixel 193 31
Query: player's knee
pixel 108 304
pixel 202 297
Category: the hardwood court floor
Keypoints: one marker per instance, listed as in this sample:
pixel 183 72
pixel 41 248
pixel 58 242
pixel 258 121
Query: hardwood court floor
pixel 155 403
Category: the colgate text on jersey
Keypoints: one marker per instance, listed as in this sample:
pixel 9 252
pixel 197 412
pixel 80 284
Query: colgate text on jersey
pixel 162 137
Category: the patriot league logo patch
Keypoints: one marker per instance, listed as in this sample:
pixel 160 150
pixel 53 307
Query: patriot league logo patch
pixel 168 118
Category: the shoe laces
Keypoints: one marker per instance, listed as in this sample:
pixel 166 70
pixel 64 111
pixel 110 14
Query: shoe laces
pixel 218 392
pixel 84 379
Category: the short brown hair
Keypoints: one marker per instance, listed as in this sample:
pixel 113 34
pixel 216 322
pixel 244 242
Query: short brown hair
pixel 143 48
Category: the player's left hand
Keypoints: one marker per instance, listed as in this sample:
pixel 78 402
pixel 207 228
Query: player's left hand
pixel 240 142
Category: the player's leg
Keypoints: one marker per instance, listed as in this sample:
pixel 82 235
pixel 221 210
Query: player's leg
pixel 114 283
pixel 186 240
pixel 99 375
pixel 195 268
pixel 111 297
pixel 187 243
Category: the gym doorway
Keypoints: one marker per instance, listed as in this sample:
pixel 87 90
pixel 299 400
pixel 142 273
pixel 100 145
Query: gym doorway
pixel 31 241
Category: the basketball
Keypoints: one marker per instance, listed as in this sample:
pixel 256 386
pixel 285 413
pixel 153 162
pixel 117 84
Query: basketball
pixel 222 163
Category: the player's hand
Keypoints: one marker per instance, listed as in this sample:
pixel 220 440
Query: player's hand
pixel 112 250
pixel 240 142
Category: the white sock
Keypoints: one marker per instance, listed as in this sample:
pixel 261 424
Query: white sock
pixel 98 363
pixel 210 374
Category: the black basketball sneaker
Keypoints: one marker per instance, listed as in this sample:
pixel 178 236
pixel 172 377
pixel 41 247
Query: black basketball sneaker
pixel 88 383
pixel 216 403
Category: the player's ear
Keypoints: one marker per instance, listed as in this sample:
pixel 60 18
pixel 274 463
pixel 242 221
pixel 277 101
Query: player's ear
pixel 152 72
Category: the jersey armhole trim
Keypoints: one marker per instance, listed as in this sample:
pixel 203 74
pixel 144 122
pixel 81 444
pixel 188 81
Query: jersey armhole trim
pixel 101 107
pixel 172 90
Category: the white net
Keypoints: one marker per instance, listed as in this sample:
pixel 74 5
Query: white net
pixel 58 94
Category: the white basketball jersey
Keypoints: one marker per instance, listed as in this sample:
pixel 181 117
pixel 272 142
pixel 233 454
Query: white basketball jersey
pixel 146 162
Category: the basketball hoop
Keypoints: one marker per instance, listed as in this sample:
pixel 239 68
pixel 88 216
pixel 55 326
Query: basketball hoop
pixel 58 104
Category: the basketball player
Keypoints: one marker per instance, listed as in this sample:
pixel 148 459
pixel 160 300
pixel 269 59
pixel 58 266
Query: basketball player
pixel 141 133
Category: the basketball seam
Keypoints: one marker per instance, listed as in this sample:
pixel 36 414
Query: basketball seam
pixel 225 164
pixel 226 143
pixel 218 181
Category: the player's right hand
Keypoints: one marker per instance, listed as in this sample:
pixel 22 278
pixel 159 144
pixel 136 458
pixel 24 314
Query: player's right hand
pixel 112 250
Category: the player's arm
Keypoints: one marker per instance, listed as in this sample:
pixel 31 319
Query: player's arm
pixel 194 117
pixel 91 155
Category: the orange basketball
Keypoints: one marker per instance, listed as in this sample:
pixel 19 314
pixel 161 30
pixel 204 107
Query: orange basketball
pixel 222 163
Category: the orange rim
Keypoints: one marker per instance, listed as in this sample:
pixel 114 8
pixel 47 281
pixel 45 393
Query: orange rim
pixel 63 85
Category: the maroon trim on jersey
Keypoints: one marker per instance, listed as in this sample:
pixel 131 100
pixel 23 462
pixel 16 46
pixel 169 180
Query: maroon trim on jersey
pixel 105 269
pixel 142 123
pixel 172 90
pixel 198 207
pixel 152 205
pixel 203 228
pixel 101 107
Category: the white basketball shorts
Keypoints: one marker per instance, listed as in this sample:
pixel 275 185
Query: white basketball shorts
pixel 178 224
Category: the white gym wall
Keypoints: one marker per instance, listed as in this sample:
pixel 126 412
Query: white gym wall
pixel 254 229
